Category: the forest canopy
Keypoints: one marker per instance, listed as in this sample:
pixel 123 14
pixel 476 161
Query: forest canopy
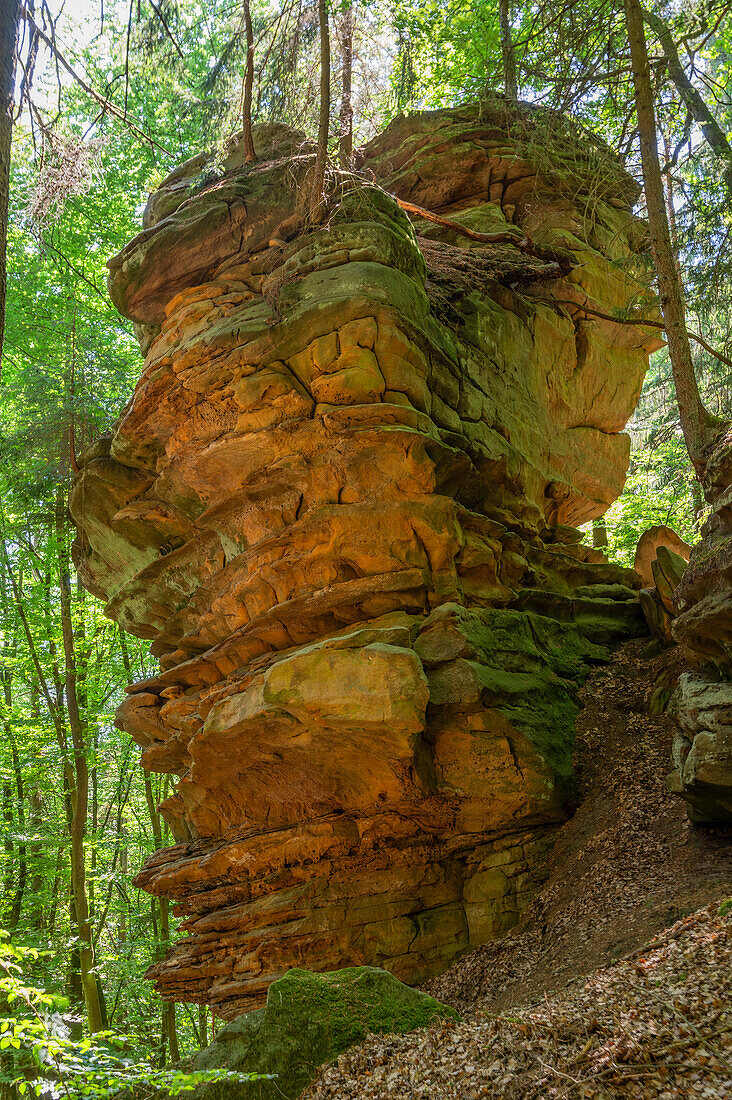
pixel 101 102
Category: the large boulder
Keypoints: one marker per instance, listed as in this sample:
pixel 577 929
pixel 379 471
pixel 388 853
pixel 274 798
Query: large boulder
pixel 308 1020
pixel 340 504
pixel 666 570
pixel 652 539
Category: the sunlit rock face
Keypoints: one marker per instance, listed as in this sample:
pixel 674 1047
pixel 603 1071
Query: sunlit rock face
pixel 340 505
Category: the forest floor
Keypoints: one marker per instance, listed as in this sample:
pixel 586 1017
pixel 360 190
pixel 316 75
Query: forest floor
pixel 618 981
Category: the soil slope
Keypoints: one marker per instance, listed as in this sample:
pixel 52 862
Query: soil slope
pixel 654 1019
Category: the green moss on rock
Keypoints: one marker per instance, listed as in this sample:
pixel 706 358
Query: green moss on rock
pixel 310 1019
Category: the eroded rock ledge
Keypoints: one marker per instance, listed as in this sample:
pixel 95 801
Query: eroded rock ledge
pixel 341 504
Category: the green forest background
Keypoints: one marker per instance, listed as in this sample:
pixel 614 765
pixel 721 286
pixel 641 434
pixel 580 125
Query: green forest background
pixel 81 173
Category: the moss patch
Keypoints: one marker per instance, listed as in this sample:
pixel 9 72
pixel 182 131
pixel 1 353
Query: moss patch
pixel 310 1019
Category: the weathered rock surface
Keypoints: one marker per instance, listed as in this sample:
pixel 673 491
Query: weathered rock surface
pixel 648 546
pixel 309 1019
pixel 703 748
pixel 666 570
pixel 703 626
pixel 339 503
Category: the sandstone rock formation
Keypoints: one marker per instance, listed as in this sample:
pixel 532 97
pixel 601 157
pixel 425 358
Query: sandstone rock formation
pixel 666 570
pixel 648 546
pixel 339 504
pixel 703 626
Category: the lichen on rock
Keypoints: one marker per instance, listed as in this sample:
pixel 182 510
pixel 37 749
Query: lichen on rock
pixel 341 505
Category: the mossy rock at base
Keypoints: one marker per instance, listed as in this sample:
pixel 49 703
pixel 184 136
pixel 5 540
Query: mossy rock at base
pixel 310 1019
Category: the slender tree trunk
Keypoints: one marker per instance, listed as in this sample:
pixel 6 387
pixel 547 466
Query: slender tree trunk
pixel 75 984
pixel 7 847
pixel 599 533
pixel 92 880
pixel 317 194
pixel 246 120
pixel 690 97
pixel 53 694
pixel 38 866
pixel 10 649
pixel 80 792
pixel 696 423
pixel 510 81
pixel 9 26
pixel 345 137
pixel 50 921
pixel 668 187
pixel 120 1017
pixel 22 850
pixel 168 1010
pixel 37 859
pixel 16 850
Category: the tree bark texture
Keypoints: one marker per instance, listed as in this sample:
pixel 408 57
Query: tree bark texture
pixel 9 27
pixel 510 80
pixel 316 197
pixel 696 423
pixel 168 1010
pixel 249 154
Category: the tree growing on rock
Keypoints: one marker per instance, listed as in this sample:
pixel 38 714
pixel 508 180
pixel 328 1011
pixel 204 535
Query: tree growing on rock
pixel 321 157
pixel 249 153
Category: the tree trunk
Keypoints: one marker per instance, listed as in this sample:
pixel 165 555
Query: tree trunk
pixel 249 154
pixel 20 817
pixel 80 791
pixel 690 97
pixel 168 1011
pixel 49 923
pixel 510 81
pixel 696 423
pixel 7 817
pixel 345 138
pixel 38 865
pixel 317 196
pixel 9 26
pixel 599 534
pixel 668 187
pixel 697 503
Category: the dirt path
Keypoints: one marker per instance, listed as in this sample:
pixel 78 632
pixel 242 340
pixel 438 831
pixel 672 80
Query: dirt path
pixel 626 866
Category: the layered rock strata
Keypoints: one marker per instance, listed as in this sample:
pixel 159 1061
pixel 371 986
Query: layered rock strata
pixel 340 505
pixel 703 626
